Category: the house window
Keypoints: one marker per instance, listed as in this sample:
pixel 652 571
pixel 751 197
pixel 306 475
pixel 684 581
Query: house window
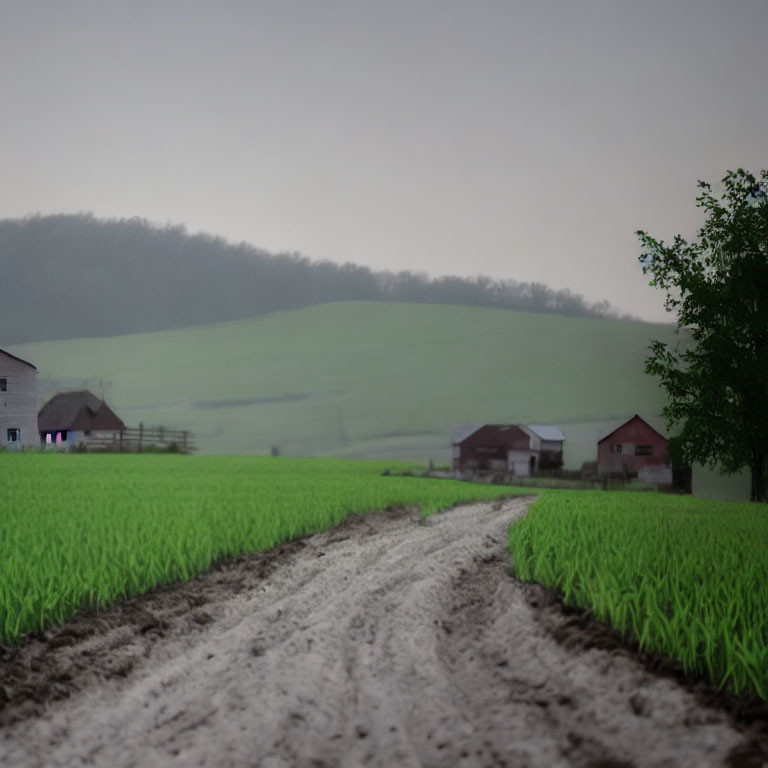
pixel 3 385
pixel 616 448
pixel 13 434
pixel 644 450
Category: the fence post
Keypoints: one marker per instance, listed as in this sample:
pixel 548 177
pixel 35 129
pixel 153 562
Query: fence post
pixel 141 434
pixel 121 440
pixel 185 441
pixel 161 435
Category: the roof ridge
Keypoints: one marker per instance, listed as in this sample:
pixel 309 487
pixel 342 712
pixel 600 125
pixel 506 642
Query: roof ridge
pixel 625 422
pixel 26 362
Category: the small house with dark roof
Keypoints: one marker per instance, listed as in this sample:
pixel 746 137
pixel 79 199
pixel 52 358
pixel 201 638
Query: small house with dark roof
pixel 520 449
pixel 635 449
pixel 18 402
pixel 72 418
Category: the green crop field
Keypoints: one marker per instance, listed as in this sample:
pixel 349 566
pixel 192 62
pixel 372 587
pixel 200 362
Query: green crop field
pixel 685 577
pixel 83 530
pixel 367 379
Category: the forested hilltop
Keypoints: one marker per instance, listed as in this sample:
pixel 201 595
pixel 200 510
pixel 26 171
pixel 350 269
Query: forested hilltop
pixel 66 276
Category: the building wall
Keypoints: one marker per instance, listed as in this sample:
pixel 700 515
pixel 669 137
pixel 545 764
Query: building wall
pixel 551 459
pixel 77 437
pixel 519 462
pixel 629 436
pixel 481 457
pixel 61 440
pixel 549 453
pixel 655 474
pixel 18 404
pixel 536 441
pixel 487 447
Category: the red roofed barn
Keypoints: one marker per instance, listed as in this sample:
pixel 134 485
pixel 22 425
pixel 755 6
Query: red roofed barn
pixel 635 448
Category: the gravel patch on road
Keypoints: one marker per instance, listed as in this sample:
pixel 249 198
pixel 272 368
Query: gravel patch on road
pixel 384 642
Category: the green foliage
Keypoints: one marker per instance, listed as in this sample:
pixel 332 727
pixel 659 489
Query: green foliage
pixel 79 531
pixel 685 577
pixel 718 288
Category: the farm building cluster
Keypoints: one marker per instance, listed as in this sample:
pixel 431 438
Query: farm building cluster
pixel 80 419
pixel 76 419
pixel 519 449
pixel 632 448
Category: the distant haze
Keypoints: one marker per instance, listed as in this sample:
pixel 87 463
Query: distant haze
pixel 523 140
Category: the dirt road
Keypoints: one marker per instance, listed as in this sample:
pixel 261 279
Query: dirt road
pixel 384 642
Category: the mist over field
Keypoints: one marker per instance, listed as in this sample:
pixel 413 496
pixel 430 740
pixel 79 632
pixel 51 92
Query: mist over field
pixel 367 379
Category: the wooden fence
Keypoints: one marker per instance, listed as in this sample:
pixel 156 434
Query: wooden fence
pixel 142 440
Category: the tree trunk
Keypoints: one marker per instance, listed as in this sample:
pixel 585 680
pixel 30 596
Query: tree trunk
pixel 757 469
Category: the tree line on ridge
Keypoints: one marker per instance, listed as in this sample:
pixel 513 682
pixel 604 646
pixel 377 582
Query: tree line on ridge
pixel 71 275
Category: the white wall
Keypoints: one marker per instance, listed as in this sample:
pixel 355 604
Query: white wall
pixel 18 404
pixel 655 475
pixel 519 462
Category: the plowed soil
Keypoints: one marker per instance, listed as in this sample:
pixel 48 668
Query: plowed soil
pixel 383 642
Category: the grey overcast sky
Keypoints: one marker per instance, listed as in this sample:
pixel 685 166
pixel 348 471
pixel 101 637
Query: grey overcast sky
pixel 525 139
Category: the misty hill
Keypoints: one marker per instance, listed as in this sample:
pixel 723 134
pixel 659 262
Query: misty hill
pixel 66 276
pixel 367 379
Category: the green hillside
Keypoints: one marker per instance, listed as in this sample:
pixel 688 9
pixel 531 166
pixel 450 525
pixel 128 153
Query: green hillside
pixel 366 379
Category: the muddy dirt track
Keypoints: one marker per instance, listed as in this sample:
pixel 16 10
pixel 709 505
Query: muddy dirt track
pixel 384 642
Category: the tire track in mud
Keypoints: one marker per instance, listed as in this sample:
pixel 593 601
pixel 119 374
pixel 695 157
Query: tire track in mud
pixel 382 642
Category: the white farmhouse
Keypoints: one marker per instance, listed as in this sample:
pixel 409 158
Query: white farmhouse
pixel 18 403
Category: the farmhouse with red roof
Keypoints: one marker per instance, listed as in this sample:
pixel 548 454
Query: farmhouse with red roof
pixel 635 448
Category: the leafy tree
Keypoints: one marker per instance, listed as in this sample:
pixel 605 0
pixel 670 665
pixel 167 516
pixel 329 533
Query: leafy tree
pixel 716 378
